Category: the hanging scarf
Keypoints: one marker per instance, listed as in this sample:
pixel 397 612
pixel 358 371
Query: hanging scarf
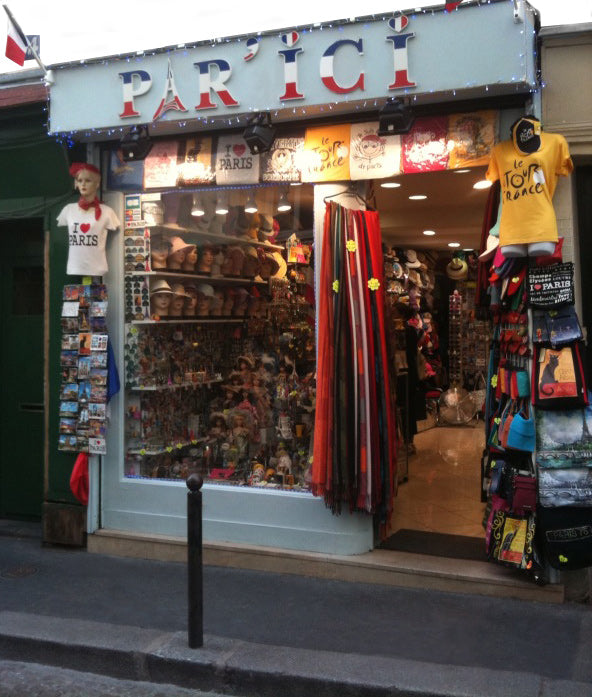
pixel 95 203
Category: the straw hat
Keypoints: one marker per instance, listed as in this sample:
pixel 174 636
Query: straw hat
pixel 412 260
pixel 178 244
pixel 457 269
pixel 160 286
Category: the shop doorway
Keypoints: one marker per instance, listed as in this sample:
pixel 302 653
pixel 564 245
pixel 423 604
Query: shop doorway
pixel 21 360
pixel 438 509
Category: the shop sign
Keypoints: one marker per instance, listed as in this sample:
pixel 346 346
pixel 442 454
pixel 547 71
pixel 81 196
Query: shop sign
pixel 301 73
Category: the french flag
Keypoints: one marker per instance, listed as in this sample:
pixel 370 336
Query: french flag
pixel 16 43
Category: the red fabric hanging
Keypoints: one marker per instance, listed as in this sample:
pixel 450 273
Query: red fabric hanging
pixel 79 478
pixel 354 455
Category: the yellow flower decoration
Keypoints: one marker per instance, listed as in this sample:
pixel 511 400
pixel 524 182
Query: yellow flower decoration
pixel 336 286
pixel 374 284
pixel 494 380
pixel 351 245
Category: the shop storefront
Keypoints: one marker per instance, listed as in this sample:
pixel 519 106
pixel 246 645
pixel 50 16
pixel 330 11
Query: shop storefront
pixel 212 292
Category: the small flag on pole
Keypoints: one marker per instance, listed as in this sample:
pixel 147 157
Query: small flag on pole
pixel 16 43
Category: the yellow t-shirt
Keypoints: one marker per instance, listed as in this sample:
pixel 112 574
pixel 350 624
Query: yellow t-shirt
pixel 528 182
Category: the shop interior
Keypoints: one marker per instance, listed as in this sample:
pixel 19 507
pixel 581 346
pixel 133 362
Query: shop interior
pixel 247 275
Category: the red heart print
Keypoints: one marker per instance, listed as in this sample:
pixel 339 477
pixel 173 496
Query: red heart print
pixel 537 286
pixel 239 149
pixel 85 227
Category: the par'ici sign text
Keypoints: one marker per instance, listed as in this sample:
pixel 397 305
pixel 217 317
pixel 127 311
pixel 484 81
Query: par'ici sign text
pixel 299 73
pixel 213 75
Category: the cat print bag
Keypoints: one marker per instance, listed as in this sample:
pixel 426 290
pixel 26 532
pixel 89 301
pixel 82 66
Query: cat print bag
pixel 558 380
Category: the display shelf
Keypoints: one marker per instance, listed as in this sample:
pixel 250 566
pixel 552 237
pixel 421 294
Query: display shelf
pixel 197 320
pixel 150 452
pixel 185 276
pixel 176 386
pixel 215 238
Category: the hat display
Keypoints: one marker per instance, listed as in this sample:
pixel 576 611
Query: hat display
pixel 490 248
pixel 206 289
pixel 179 289
pixel 398 270
pixel 457 269
pixel 414 277
pixel 160 286
pixel 178 244
pixel 76 167
pixel 412 260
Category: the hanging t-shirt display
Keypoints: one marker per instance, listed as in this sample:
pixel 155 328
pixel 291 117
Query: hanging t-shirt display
pixel 373 156
pixel 87 238
pixel 528 181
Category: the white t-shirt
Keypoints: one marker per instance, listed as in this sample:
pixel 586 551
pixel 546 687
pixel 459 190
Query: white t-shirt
pixel 87 238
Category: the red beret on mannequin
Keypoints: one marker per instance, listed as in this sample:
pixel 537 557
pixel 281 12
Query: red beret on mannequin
pixel 76 167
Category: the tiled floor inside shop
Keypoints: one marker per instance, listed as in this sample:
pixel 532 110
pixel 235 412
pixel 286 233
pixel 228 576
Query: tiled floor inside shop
pixel 442 492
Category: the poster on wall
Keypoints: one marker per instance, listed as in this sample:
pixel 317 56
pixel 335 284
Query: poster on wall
pixel 160 165
pixel 326 154
pixel 471 138
pixel 280 164
pixel 234 162
pixel 373 156
pixel 425 147
pixel 196 162
pixel 126 176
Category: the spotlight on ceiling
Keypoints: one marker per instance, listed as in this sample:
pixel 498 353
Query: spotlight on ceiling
pixel 221 205
pixel 135 144
pixel 259 133
pixel 395 118
pixel 197 208
pixel 251 204
pixel 283 203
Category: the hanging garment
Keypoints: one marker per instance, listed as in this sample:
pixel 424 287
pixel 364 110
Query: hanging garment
pixel 354 449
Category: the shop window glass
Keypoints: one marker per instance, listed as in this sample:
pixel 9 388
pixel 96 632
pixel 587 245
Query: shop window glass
pixel 219 335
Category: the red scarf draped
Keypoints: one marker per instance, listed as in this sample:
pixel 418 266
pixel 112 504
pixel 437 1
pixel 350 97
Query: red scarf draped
pixel 95 203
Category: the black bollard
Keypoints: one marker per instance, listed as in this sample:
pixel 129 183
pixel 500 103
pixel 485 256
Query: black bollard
pixel 194 561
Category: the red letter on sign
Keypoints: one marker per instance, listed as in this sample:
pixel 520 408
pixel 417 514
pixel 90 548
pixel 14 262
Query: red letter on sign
pixel 130 90
pixel 207 83
pixel 327 72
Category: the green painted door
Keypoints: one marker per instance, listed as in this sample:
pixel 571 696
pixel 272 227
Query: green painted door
pixel 21 365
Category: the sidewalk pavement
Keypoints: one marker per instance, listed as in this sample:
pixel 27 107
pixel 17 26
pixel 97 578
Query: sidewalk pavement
pixel 281 634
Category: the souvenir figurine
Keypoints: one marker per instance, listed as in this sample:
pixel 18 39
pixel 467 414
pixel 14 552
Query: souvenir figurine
pixel 251 265
pixel 88 223
pixel 159 252
pixel 241 302
pixel 237 256
pixel 216 303
pixel 190 260
pixel 205 293
pixel 217 262
pixel 177 253
pixel 160 299
pixel 177 301
pixel 206 259
pixel 190 305
pixel 228 302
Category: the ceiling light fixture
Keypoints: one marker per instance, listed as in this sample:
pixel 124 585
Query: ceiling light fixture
pixel 283 204
pixel 454 244
pixel 429 233
pixel 390 185
pixel 417 197
pixel 251 204
pixel 197 208
pixel 461 171
pixel 482 184
pixel 221 205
